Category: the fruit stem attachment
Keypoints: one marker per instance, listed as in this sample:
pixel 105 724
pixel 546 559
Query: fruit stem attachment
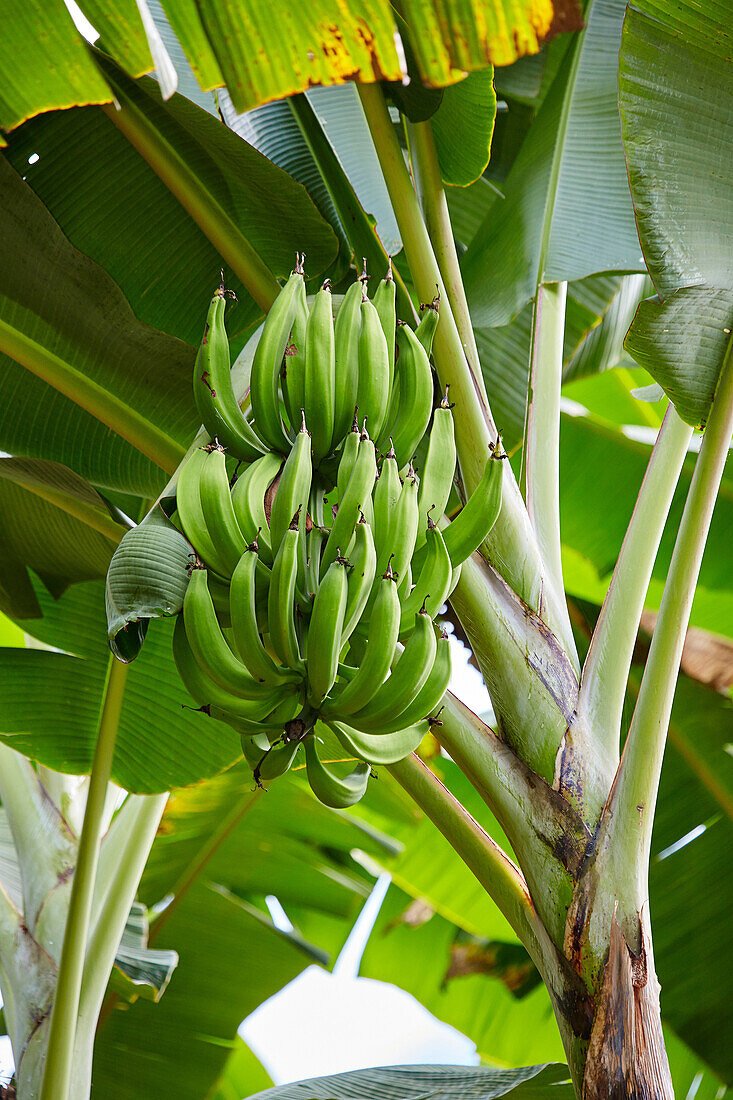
pixel 64 1015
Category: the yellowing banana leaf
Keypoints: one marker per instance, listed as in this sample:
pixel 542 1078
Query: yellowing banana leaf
pixel 676 90
pixel 44 64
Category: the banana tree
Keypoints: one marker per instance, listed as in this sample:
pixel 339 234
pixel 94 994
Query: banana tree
pixel 569 781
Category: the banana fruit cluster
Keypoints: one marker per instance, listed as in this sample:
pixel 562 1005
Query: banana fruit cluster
pixel 308 621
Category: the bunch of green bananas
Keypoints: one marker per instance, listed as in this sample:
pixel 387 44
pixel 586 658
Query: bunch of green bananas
pixel 319 569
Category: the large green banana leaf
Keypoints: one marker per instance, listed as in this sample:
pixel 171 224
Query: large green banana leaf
pixel 676 97
pixel 50 701
pixel 566 211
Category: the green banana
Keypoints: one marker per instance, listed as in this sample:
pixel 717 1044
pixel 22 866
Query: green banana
pixel 254 747
pixel 385 305
pixel 190 513
pixel 210 647
pixel 271 723
pixel 207 692
pixel 403 530
pixel 293 490
pixel 467 531
pixel 363 558
pixel 386 494
pixel 328 788
pixel 293 368
pixel 430 694
pixel 248 500
pixel 242 610
pixel 352 503
pixel 346 343
pixel 409 419
pixel 324 633
pixel 218 511
pixel 384 626
pixel 212 388
pixel 267 362
pixel 348 457
pixel 373 393
pixel 425 331
pixel 439 467
pixel 380 748
pixel 434 583
pixel 281 610
pixel 320 376
pixel 314 541
pixel 404 683
pixel 275 761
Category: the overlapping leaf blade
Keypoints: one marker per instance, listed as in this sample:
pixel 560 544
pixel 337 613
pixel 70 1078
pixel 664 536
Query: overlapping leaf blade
pixel 676 97
pixel 567 212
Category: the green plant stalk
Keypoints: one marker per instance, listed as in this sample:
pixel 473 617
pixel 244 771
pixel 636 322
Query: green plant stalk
pixel 537 820
pixel 358 227
pixel 511 545
pixel 542 437
pixel 532 684
pixel 621 868
pixel 437 222
pixel 59 1059
pixel 215 223
pixel 501 879
pixel 140 827
pixel 607 664
pixel 125 421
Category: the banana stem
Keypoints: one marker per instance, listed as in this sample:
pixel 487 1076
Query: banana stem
pixel 542 443
pixel 474 424
pixel 504 884
pixel 125 421
pixel 626 830
pixel 181 181
pixel 62 1033
pixel 140 827
pixel 606 667
pixel 496 872
pixel 511 545
pixel 440 231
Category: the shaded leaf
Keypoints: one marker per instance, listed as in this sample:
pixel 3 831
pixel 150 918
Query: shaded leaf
pixel 437 1082
pixel 67 321
pixel 55 524
pixel 242 1075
